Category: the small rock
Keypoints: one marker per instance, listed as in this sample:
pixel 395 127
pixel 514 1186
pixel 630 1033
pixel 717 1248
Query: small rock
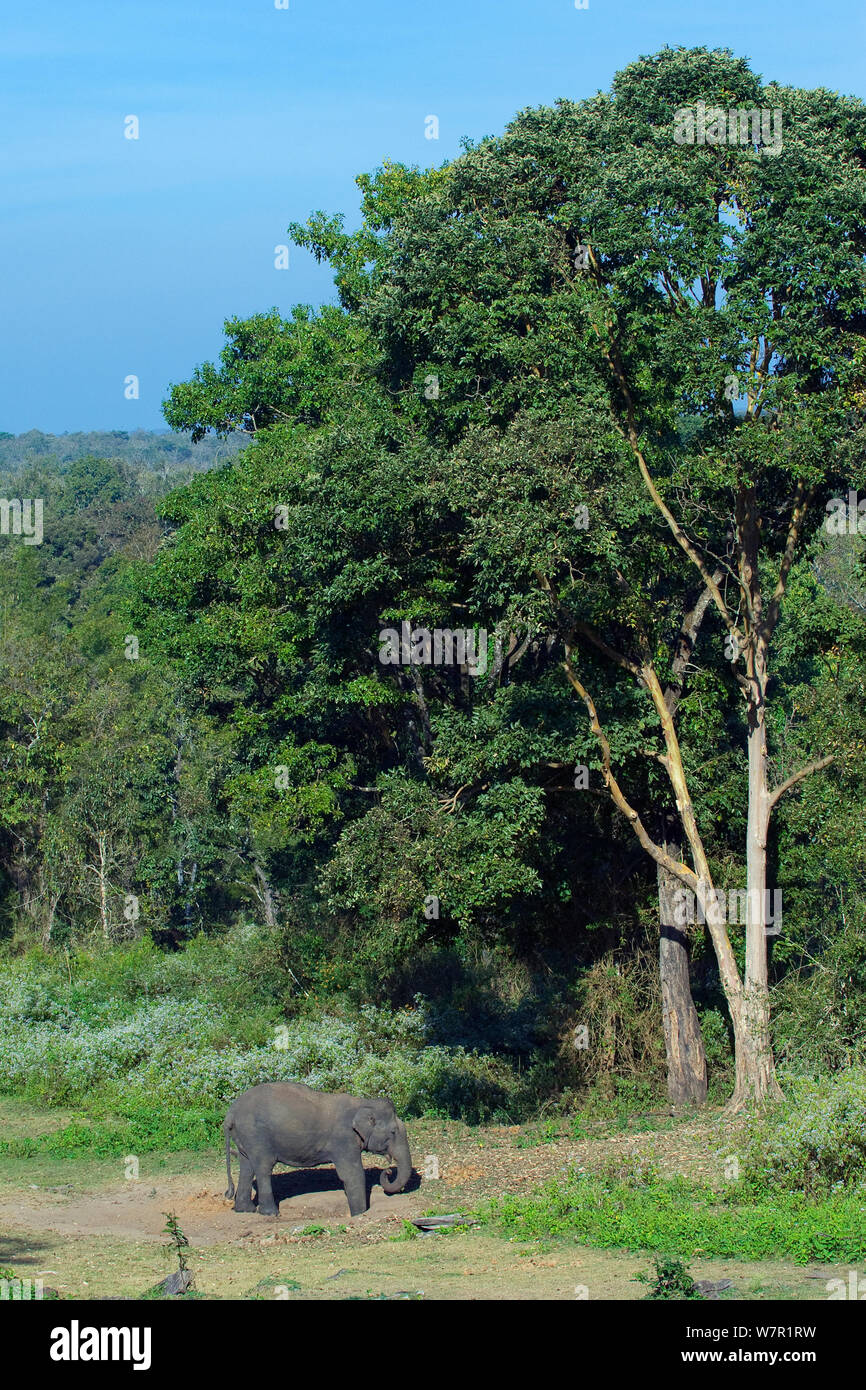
pixel 433 1223
pixel 177 1283
pixel 711 1289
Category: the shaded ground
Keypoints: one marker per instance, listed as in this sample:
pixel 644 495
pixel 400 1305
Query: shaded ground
pixel 92 1232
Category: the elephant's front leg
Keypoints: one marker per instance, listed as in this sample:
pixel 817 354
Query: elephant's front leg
pixel 264 1169
pixel 350 1171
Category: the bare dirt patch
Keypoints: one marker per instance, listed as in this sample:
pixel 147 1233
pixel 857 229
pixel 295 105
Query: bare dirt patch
pixel 136 1208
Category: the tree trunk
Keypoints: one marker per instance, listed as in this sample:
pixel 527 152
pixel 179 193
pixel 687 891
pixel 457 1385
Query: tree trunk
pixel 265 895
pixel 684 1044
pixel 755 1074
pixel 48 922
pixel 189 905
pixel 102 875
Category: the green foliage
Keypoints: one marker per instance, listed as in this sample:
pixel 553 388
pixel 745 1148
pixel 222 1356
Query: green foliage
pixel 686 1219
pixel 358 258
pixel 815 1141
pixel 420 456
pixel 271 369
pixel 408 848
pixel 671 1279
pixel 115 1126
pixel 407 1232
pixel 716 1033
pixel 178 1243
pixel 618 1001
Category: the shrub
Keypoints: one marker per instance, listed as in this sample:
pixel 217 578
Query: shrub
pixel 815 1141
pixel 619 1003
pixel 88 1043
pixel 819 1011
pixel 671 1279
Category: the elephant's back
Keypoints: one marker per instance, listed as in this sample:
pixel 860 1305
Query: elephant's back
pixel 287 1096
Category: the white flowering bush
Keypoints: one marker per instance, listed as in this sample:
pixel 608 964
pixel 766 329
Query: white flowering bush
pixel 182 1053
pixel 65 1060
pixel 815 1142
pixel 26 997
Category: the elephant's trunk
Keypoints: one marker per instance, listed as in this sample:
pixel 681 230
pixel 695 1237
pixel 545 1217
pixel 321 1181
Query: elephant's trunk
pixel 399 1151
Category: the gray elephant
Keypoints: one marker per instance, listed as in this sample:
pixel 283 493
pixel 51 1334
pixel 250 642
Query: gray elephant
pixel 286 1122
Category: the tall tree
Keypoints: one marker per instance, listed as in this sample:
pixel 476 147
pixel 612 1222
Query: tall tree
pixel 593 252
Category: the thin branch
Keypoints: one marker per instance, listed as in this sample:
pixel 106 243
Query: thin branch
pixel 449 803
pixel 592 636
pixel 630 433
pixel 791 781
pixel 678 870
pixel 686 645
pixel 801 505
pixel 656 756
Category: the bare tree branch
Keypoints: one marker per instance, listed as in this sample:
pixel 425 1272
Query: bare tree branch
pixel 630 433
pixel 686 644
pixel 673 866
pixel 806 771
pixel 801 505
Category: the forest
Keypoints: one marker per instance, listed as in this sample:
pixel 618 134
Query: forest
pixel 465 700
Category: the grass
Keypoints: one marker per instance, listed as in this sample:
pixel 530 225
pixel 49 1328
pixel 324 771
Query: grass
pixel 274 1286
pixel 685 1219
pixel 111 1130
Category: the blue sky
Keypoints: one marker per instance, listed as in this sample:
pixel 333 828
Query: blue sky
pixel 125 256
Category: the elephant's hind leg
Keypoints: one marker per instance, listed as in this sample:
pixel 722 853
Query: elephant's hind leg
pixel 244 1190
pixel 263 1168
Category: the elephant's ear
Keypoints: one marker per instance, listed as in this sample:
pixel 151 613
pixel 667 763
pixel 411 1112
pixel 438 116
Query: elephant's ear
pixel 364 1123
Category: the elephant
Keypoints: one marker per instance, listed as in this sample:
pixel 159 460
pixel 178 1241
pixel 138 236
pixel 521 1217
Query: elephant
pixel 287 1122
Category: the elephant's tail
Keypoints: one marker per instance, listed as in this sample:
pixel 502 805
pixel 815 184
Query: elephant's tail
pixel 228 1127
